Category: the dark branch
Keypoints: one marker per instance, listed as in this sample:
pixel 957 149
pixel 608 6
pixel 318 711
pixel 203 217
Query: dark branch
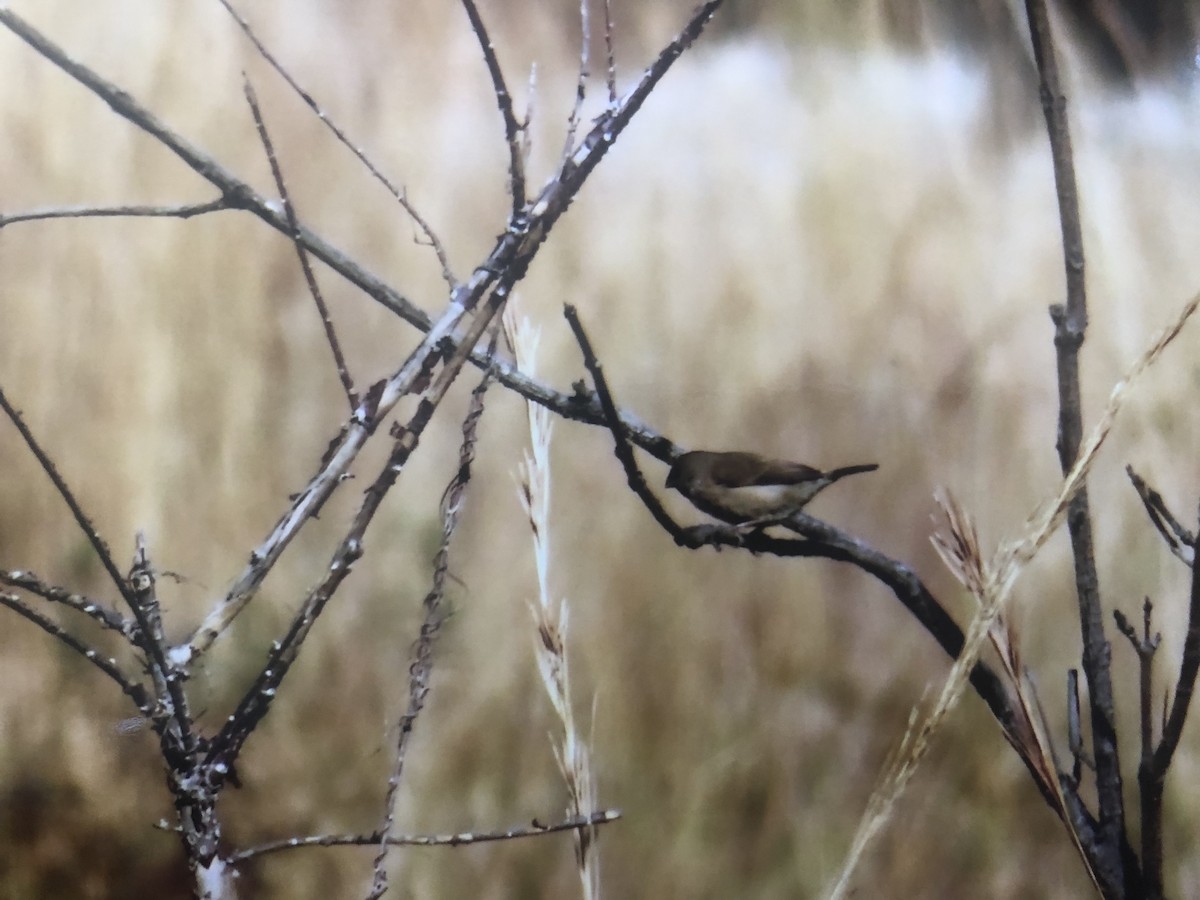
pixel 1181 542
pixel 93 609
pixel 512 128
pixel 1186 684
pixel 1114 868
pixel 136 692
pixel 610 75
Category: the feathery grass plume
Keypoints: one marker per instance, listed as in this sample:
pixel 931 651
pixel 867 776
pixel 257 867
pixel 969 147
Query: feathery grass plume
pixel 991 585
pixel 550 618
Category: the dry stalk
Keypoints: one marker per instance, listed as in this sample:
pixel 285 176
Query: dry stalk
pixel 550 617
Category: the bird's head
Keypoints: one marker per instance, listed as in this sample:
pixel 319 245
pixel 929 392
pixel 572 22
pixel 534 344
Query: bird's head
pixel 681 473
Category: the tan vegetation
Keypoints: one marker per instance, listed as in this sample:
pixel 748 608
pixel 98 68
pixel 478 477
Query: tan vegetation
pixel 812 250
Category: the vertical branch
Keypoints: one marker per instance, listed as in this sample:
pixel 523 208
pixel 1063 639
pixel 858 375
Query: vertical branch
pixel 611 73
pixel 585 28
pixel 1070 323
pixel 421 667
pixel 512 128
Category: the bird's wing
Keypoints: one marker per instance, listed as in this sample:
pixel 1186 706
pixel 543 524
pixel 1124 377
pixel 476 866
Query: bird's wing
pixel 747 469
pixel 780 472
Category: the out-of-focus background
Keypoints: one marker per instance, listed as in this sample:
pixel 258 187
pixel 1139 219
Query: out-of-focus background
pixel 831 235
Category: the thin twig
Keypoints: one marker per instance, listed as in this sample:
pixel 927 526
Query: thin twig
pixel 93 609
pixel 372 409
pixel 289 210
pixel 154 650
pixel 1152 772
pixel 430 840
pixel 1180 541
pixel 185 211
pixel 527 122
pixel 64 491
pixel 611 72
pixel 512 128
pixel 622 448
pixel 1144 647
pixel 398 193
pixel 136 692
pixel 576 114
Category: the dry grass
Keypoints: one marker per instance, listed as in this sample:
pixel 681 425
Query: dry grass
pixel 818 254
pixel 551 615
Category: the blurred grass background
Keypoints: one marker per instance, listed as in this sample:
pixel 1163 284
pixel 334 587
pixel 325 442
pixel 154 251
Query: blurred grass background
pixel 831 235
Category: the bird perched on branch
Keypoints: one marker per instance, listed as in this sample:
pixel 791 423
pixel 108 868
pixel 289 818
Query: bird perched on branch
pixel 750 490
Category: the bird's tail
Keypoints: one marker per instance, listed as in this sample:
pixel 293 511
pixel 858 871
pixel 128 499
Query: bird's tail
pixel 835 474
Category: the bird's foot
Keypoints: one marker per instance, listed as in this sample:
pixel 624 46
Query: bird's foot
pixel 709 535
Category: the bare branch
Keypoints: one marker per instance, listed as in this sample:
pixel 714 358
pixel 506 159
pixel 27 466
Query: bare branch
pixel 134 691
pixel 510 258
pixel 1180 541
pixel 64 491
pixel 581 406
pixel 535 829
pixel 175 723
pixel 1186 683
pixel 373 408
pixel 93 609
pixel 1149 787
pixel 102 212
pixel 1152 772
pixel 623 450
pixel 236 194
pixel 255 704
pixel 399 193
pixel 1144 647
pixel 313 288
pixel 1114 868
pixel 512 128
pixel 585 43
pixel 154 650
pixel 611 72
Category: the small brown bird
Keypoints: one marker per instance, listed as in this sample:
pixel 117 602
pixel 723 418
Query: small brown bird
pixel 748 489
